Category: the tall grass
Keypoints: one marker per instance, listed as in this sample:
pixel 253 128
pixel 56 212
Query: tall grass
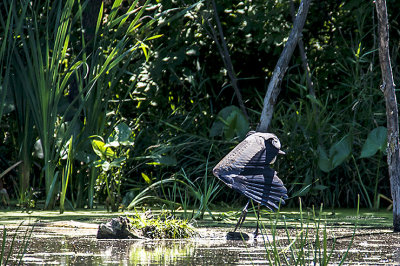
pixel 48 60
pixel 309 243
pixel 10 25
pixel 194 183
pixel 204 193
pixel 8 21
pixel 12 251
pixel 178 94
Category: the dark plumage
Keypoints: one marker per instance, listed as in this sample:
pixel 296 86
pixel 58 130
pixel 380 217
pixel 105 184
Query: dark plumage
pixel 246 170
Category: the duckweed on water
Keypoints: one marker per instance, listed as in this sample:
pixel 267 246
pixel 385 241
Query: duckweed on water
pixel 165 225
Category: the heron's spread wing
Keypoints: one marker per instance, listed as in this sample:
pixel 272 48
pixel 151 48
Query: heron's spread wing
pixel 246 169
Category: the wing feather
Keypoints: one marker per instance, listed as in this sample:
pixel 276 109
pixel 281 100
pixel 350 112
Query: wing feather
pixel 246 170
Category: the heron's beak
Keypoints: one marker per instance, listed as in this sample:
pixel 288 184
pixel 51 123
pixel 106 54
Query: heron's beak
pixel 281 152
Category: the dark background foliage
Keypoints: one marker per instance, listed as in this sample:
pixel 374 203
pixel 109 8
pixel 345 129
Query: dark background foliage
pixel 182 87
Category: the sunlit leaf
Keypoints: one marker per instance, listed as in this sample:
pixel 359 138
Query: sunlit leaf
pixel 146 178
pixel 154 37
pixel 101 150
pixel 120 136
pixel 144 48
pixel 38 149
pixel 105 166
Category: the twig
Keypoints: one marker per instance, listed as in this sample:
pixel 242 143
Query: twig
pixel 223 50
pixel 303 55
pixel 281 67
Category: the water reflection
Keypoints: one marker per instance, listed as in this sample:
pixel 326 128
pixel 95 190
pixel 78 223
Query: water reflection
pixel 396 255
pixel 66 251
pixel 162 252
pixel 46 248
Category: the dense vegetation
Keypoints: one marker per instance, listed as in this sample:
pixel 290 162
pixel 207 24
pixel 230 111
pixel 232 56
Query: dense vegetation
pixel 134 105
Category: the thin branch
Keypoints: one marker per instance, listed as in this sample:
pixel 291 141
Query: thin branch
pixel 223 50
pixel 281 67
pixel 303 56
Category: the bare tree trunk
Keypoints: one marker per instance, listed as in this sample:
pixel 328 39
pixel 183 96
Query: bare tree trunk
pixel 281 67
pixel 388 89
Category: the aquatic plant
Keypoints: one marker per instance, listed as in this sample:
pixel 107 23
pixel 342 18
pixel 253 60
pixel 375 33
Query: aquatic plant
pixel 196 188
pixel 204 193
pixel 306 243
pixel 164 225
pixel 64 79
pixel 112 154
pixel 13 250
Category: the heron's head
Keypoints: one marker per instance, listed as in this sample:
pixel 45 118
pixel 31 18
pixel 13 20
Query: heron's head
pixel 273 139
pixel 276 143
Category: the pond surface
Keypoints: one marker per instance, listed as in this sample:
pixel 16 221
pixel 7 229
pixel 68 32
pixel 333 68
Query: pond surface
pixel 75 243
pixel 371 247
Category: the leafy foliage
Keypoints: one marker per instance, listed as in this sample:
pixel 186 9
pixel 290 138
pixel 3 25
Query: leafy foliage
pixel 230 122
pixel 152 70
pixel 113 155
pixel 163 226
pixel 338 153
pixel 376 141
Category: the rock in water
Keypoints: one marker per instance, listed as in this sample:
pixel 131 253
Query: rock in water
pixel 117 228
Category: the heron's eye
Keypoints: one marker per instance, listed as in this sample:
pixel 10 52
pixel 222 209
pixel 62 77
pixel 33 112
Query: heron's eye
pixel 276 143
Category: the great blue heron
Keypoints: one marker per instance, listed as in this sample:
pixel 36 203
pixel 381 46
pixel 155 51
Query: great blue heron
pixel 246 169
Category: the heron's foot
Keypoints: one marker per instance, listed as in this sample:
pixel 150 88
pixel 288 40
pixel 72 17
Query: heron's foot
pixel 237 236
pixel 256 233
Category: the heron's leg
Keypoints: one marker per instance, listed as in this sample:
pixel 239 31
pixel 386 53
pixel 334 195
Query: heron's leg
pixel 242 216
pixel 258 218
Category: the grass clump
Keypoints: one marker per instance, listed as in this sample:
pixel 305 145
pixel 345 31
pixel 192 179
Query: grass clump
pixel 307 243
pixel 164 226
pixel 12 253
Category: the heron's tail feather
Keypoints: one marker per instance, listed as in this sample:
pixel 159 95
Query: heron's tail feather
pixel 270 194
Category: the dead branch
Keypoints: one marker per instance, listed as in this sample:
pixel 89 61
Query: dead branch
pixel 303 56
pixel 388 89
pixel 281 67
pixel 219 40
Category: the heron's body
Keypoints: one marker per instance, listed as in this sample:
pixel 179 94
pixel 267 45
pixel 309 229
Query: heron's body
pixel 246 169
